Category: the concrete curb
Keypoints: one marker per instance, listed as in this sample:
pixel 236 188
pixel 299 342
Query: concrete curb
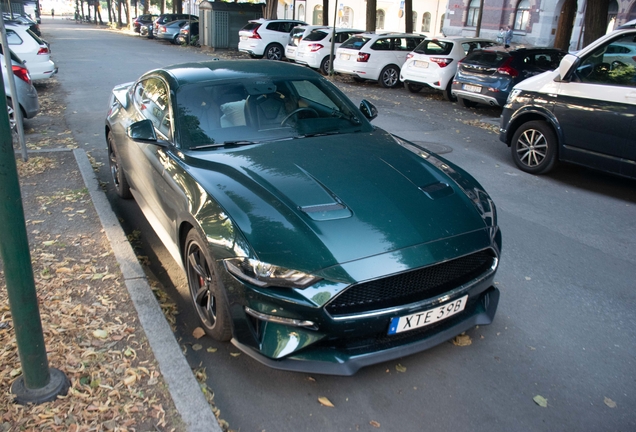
pixel 186 393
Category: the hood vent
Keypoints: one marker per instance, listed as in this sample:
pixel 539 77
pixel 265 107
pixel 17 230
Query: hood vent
pixel 437 190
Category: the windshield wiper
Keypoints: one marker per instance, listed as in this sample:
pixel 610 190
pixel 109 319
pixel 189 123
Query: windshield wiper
pixel 223 144
pixel 352 118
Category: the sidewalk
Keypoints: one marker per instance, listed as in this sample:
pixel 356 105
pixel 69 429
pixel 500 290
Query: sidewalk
pixel 103 326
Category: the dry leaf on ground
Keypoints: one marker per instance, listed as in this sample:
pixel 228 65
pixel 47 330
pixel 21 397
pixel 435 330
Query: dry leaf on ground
pixel 610 403
pixel 325 402
pixel 374 423
pixel 198 333
pixel 462 340
pixel 541 401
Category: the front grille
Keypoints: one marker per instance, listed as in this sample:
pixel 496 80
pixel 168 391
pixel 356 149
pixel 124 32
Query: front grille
pixel 410 287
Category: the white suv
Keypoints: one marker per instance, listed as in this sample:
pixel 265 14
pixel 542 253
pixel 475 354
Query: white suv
pixel 434 63
pixel 373 56
pixel 266 38
pixel 33 50
pixel 314 49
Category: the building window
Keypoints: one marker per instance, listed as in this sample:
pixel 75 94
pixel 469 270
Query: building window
pixel 301 12
pixel 317 18
pixel 473 14
pixel 345 17
pixel 379 19
pixel 414 20
pixel 286 11
pixel 522 16
pixel 426 22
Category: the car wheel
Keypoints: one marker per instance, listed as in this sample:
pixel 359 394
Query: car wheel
pixel 274 52
pixel 447 93
pixel 466 103
pixel 414 88
pixel 390 76
pixel 206 290
pixel 325 65
pixel 116 171
pixel 534 147
pixel 11 112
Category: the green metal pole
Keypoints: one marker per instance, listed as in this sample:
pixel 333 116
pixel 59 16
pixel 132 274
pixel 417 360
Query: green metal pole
pixel 36 384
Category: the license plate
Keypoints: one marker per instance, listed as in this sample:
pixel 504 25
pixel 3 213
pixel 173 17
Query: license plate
pixel 345 56
pixel 424 318
pixel 300 54
pixel 244 38
pixel 291 50
pixel 472 88
pixel 420 64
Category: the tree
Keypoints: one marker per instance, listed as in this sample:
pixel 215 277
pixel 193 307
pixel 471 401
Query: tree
pixel 595 20
pixel 325 12
pixel 408 16
pixel 371 15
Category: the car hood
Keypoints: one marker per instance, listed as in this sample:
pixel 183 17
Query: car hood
pixel 315 202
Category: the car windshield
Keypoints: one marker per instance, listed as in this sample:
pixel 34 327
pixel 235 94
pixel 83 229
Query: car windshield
pixel 434 47
pixel 246 111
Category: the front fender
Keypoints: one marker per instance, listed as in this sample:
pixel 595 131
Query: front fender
pixel 530 113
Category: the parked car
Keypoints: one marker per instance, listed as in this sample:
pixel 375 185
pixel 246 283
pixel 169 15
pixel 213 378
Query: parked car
pixel 488 75
pixel 169 17
pixel 376 56
pixel 583 112
pixel 313 240
pixel 189 34
pixel 143 20
pixel 27 96
pixel 295 36
pixel 314 50
pixel 266 38
pixel 33 50
pixel 24 20
pixel 170 31
pixel 433 63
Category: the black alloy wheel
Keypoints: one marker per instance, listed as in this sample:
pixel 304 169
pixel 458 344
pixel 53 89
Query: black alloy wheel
pixel 325 65
pixel 274 52
pixel 206 290
pixel 533 147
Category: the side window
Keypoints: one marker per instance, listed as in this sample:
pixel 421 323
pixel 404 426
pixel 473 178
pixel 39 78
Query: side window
pixel 13 38
pixel 609 65
pixel 152 100
pixel 382 45
pixel 307 90
pixel 411 44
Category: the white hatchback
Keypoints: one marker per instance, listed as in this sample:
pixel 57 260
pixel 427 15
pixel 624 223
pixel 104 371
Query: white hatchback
pixel 434 63
pixel 376 56
pixel 33 50
pixel 295 36
pixel 314 50
pixel 266 38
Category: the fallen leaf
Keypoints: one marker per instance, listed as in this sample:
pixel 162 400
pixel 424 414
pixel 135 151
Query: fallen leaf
pixel 197 347
pixel 610 403
pixel 211 350
pixel 63 270
pixel 541 401
pixel 528 278
pixel 101 334
pixel 400 368
pixel 198 333
pixel 462 340
pixel 235 354
pixel 325 402
pixel 48 242
pixel 129 380
pixel 374 423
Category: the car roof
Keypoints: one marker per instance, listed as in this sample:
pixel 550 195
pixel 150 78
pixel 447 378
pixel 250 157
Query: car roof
pixel 459 39
pixel 628 25
pixel 219 70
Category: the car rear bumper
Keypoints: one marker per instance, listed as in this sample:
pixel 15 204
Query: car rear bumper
pixel 476 97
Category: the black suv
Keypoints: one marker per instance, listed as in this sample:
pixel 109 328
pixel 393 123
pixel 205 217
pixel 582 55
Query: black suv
pixel 488 75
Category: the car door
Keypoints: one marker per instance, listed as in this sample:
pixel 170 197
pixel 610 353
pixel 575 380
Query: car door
pixel 597 112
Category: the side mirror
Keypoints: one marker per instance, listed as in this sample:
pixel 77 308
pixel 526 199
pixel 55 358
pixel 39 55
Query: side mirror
pixel 368 109
pixel 142 130
pixel 566 65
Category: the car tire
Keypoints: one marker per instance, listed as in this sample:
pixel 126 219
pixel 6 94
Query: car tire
pixel 11 112
pixel 116 171
pixel 466 103
pixel 389 77
pixel 325 65
pixel 534 147
pixel 206 290
pixel 414 88
pixel 447 92
pixel 274 52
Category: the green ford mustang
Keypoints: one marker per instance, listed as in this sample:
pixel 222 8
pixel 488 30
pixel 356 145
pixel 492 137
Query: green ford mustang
pixel 313 240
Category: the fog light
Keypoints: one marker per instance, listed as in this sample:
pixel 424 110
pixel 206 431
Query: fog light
pixel 277 319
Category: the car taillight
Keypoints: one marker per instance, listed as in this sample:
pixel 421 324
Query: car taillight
pixel 315 47
pixel 163 28
pixel 22 73
pixel 409 55
pixel 363 57
pixel 184 31
pixel 634 58
pixel 43 50
pixel 506 69
pixel 441 62
pixel 255 34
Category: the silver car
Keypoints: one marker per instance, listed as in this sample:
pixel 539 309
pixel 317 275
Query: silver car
pixel 170 31
pixel 27 95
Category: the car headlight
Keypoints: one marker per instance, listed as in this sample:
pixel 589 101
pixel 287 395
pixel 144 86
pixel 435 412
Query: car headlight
pixel 268 275
pixel 513 95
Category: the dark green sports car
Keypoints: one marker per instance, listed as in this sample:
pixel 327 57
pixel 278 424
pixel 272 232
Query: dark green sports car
pixel 313 240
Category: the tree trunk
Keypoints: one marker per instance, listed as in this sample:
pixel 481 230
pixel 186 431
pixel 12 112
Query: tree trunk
pixel 371 15
pixel 595 20
pixel 325 12
pixel 565 24
pixel 162 9
pixel 128 20
pixel 179 5
pixel 408 16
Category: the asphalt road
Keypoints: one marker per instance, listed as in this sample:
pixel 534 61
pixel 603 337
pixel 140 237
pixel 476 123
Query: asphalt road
pixel 565 328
